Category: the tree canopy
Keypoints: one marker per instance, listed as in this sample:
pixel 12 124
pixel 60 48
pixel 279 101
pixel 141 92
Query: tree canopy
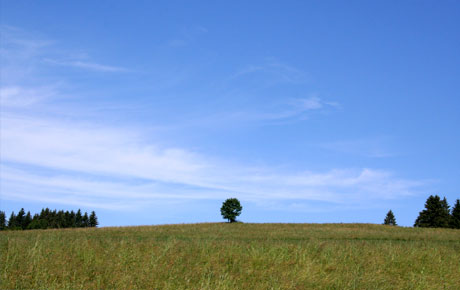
pixel 47 219
pixel 2 220
pixel 435 215
pixel 455 218
pixel 231 208
pixel 390 219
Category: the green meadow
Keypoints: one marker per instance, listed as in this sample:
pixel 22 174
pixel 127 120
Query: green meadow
pixel 232 256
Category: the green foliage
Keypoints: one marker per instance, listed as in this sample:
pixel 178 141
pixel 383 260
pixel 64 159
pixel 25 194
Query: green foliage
pixel 48 219
pixel 37 224
pixel 12 223
pixel 2 220
pixel 27 220
pixel 20 218
pixel 455 217
pixel 231 208
pixel 93 220
pixel 72 219
pixel 390 219
pixel 85 220
pixel 78 219
pixel 232 256
pixel 435 215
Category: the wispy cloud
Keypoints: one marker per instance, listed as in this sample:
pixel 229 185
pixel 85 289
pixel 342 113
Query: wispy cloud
pixel 187 36
pixel 16 96
pixel 274 72
pixel 69 160
pixel 82 154
pixel 87 65
pixel 20 48
pixel 374 147
pixel 292 110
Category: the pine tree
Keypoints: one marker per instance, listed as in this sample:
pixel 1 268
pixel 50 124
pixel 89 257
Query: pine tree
pixel 53 220
pixel 2 220
pixel 85 220
pixel 66 219
pixel 27 220
pixel 44 218
pixel 12 221
pixel 73 220
pixel 455 216
pixel 446 211
pixel 78 219
pixel 60 219
pixel 93 220
pixel 35 224
pixel 43 221
pixel 20 218
pixel 47 219
pixel 435 215
pixel 390 219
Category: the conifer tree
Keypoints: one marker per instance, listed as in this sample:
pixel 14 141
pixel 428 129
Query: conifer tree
pixel 2 220
pixel 455 216
pixel 446 213
pixel 85 220
pixel 73 220
pixel 47 219
pixel 35 224
pixel 60 219
pixel 78 219
pixel 20 218
pixel 44 218
pixel 435 215
pixel 52 219
pixel 93 220
pixel 27 220
pixel 12 221
pixel 390 219
pixel 67 219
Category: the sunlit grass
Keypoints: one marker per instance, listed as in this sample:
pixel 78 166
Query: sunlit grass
pixel 224 256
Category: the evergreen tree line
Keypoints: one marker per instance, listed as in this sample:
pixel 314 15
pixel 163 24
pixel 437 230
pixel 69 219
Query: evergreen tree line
pixel 437 214
pixel 47 219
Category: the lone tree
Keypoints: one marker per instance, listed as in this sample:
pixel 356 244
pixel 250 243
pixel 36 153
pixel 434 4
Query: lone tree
pixel 455 217
pixel 231 208
pixel 390 219
pixel 435 215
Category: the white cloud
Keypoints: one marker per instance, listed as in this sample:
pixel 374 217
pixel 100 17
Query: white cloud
pixel 16 96
pixel 273 72
pixel 87 65
pixel 311 103
pixel 21 53
pixel 373 147
pixel 84 154
pixel 295 109
pixel 71 161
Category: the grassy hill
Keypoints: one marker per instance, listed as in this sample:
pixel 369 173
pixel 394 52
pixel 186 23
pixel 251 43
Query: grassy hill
pixel 228 256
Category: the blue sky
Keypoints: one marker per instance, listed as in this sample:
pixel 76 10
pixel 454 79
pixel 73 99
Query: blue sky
pixel 154 112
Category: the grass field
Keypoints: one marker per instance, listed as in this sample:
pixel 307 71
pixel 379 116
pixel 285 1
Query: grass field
pixel 228 256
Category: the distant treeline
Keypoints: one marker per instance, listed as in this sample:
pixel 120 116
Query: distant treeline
pixel 47 219
pixel 437 214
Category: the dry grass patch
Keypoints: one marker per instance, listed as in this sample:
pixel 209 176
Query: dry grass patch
pixel 224 256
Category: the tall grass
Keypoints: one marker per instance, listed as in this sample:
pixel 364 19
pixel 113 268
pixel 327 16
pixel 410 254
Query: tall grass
pixel 229 256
